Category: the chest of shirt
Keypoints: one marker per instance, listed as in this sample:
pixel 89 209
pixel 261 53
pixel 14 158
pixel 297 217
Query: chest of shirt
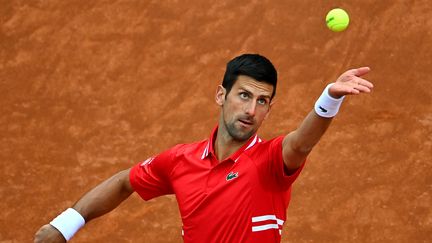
pixel 197 182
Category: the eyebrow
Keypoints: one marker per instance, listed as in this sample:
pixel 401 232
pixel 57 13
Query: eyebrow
pixel 249 92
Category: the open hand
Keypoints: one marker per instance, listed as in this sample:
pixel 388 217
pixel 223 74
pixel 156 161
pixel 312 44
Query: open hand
pixel 351 83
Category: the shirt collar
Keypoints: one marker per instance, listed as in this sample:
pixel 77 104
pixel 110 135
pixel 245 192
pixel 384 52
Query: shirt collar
pixel 209 148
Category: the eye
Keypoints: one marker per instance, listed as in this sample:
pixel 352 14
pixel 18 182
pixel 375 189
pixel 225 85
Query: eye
pixel 262 101
pixel 244 95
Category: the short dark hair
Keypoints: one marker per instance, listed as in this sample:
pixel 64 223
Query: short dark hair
pixel 253 65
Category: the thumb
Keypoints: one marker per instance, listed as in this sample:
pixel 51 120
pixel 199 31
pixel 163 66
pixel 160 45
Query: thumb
pixel 361 71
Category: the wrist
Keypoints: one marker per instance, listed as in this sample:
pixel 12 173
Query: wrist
pixel 68 223
pixel 332 94
pixel 326 105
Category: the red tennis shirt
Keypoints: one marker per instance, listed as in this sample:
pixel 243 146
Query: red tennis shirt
pixel 240 199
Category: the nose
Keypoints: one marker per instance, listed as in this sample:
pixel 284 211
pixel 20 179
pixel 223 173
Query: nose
pixel 250 108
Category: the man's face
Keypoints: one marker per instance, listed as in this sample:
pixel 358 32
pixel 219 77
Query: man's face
pixel 245 107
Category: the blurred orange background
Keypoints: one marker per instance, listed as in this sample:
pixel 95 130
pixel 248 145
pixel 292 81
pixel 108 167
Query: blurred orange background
pixel 89 88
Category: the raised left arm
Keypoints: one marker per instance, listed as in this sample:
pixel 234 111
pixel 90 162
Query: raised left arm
pixel 299 143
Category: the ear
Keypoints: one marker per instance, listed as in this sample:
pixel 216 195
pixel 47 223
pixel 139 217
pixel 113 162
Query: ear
pixel 269 109
pixel 220 95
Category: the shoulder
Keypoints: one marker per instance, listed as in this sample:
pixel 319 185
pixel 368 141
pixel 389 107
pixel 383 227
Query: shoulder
pixel 266 150
pixel 164 162
pixel 266 145
pixel 189 148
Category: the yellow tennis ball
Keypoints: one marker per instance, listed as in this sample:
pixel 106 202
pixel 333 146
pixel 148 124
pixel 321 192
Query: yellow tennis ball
pixel 337 20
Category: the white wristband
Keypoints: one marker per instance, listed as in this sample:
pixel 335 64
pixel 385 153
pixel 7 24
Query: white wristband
pixel 327 106
pixel 68 223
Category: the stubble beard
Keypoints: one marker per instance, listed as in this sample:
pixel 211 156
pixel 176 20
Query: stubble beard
pixel 235 133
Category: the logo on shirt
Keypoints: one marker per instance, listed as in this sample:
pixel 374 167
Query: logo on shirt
pixel 231 176
pixel 147 161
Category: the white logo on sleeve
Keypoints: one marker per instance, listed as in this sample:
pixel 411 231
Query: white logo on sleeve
pixel 147 161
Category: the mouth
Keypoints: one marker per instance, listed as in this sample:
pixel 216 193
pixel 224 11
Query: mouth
pixel 245 122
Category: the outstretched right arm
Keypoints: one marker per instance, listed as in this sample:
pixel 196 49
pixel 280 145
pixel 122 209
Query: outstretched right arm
pixel 97 202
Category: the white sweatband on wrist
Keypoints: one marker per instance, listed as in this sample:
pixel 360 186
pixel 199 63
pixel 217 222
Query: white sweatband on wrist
pixel 68 223
pixel 327 106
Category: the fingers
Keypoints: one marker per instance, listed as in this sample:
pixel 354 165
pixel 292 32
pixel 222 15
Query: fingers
pixel 362 89
pixel 351 82
pixel 362 85
pixel 355 86
pixel 355 82
pixel 365 83
pixel 349 90
pixel 361 71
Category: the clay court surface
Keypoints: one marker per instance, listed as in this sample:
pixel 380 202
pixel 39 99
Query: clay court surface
pixel 88 88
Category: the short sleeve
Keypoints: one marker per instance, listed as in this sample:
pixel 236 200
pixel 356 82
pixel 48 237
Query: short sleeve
pixel 150 178
pixel 277 165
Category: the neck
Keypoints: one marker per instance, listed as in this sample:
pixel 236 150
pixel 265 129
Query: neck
pixel 225 145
